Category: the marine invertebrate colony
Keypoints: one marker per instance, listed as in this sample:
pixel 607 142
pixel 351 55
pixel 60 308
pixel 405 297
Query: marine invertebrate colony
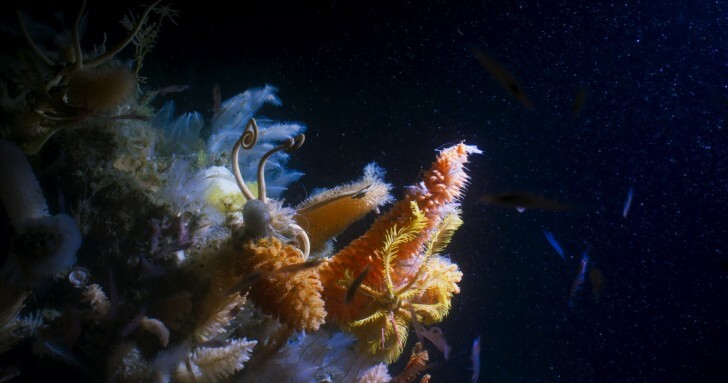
pixel 65 89
pixel 401 246
pixel 194 272
pixel 328 213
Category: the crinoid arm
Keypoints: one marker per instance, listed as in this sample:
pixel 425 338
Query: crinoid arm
pixel 408 275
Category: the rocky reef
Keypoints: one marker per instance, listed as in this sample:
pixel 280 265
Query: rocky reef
pixel 172 257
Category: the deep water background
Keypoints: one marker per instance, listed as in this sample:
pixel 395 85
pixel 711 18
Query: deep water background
pixel 393 81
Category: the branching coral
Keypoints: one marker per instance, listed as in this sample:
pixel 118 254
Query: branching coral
pixel 213 364
pixel 68 90
pixel 77 63
pixel 217 309
pixel 376 374
pixel 95 296
pixel 145 37
pixel 191 325
pixel 415 365
pixel 406 274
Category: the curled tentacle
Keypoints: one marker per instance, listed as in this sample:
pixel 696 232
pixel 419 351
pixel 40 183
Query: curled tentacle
pixel 247 141
pixel 78 55
pixel 303 239
pixel 123 43
pixel 289 146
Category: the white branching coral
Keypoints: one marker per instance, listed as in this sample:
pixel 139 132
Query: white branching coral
pixel 146 36
pixel 213 364
pixel 216 310
pixel 376 374
pixel 94 295
pixel 126 363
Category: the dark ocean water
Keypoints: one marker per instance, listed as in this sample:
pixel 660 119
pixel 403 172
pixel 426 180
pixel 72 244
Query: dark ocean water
pixel 386 82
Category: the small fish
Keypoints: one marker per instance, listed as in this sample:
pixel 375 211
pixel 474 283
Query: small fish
pixel 627 203
pixel 475 358
pixel 550 237
pixel 579 101
pixel 298 267
pixel 172 89
pixel 246 282
pixel 434 334
pixel 355 284
pixel 580 276
pixel 505 78
pixel 522 201
pixel 597 280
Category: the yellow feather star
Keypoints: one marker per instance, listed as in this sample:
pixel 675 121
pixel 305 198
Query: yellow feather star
pixel 427 293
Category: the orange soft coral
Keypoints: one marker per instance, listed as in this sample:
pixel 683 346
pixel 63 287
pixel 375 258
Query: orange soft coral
pixel 294 298
pixel 328 213
pixel 405 274
pixel 441 185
